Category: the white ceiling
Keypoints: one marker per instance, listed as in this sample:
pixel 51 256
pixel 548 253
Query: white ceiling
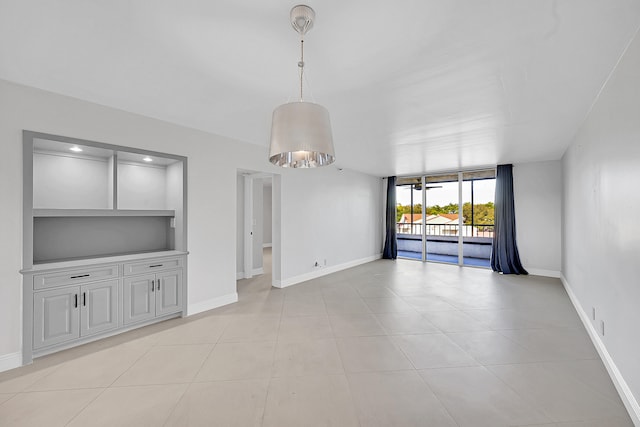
pixel 411 86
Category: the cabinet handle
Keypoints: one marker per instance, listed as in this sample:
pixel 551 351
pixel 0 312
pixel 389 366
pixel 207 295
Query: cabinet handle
pixel 158 285
pixel 152 284
pixel 157 265
pixel 79 276
pixel 84 299
pixel 75 304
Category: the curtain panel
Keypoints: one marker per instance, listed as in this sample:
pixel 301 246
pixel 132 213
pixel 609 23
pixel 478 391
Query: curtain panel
pixel 391 243
pixel 504 252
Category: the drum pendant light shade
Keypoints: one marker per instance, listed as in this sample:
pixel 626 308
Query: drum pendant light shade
pixel 301 131
pixel 301 136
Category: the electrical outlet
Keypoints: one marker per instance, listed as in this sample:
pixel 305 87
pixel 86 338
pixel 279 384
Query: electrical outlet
pixel 602 327
pixel 593 313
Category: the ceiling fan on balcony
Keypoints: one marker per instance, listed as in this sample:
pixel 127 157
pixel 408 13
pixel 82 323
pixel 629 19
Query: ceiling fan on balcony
pixel 418 187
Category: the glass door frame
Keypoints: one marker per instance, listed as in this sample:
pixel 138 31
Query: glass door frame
pixel 423 224
pixel 460 217
pixel 460 202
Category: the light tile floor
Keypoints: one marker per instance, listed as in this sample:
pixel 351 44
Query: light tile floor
pixel 389 343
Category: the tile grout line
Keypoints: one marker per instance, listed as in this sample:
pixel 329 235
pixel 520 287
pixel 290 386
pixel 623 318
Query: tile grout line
pixel 85 406
pixel 151 347
pixel 273 361
pixel 543 411
pixel 438 398
pixel 175 405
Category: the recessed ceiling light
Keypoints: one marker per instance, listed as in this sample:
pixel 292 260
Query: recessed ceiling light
pixel 148 159
pixel 76 149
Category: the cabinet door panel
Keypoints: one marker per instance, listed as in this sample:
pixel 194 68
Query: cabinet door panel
pixel 56 317
pixel 99 307
pixel 169 294
pixel 139 299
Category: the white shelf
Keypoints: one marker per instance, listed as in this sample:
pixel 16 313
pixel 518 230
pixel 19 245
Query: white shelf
pixel 40 213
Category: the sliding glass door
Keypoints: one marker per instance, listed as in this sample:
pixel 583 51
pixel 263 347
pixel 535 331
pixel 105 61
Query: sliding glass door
pixel 456 224
pixel 442 220
pixel 478 192
pixel 409 217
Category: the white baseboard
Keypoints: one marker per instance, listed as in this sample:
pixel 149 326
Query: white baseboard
pixel 266 245
pixel 254 272
pixel 545 273
pixel 629 400
pixel 323 271
pixel 10 361
pixel 210 304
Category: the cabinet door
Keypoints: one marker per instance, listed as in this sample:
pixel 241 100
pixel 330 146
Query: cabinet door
pixel 168 292
pixel 139 298
pixel 55 316
pixel 99 307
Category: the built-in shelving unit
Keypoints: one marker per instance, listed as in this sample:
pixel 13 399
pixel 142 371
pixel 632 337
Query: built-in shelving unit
pixel 91 212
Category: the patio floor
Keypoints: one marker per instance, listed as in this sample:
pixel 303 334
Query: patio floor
pixel 450 259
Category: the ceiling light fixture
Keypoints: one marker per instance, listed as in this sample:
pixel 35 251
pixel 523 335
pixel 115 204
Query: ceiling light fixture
pixel 147 159
pixel 301 131
pixel 75 149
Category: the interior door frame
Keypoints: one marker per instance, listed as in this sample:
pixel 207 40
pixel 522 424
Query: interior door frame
pixel 248 226
pixel 247 219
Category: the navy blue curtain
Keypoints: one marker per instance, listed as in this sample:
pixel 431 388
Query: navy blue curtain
pixel 504 253
pixel 391 242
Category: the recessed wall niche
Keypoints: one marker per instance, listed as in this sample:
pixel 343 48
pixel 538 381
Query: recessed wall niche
pixel 69 176
pixel 148 182
pixel 104 247
pixel 96 200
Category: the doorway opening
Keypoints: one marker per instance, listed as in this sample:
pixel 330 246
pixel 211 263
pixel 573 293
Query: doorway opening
pixel 257 227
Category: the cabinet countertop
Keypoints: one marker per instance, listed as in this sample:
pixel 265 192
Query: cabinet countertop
pixel 42 213
pixel 100 260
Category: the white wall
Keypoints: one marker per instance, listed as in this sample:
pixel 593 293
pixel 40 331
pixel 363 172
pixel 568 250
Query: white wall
pixel 537 188
pixel 266 213
pixel 601 227
pixel 335 218
pixel 240 226
pixel 330 200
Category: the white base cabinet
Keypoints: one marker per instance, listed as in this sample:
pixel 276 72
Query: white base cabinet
pixel 139 299
pixel 55 317
pixel 151 295
pixel 168 292
pixel 68 311
pixel 99 309
pixel 71 312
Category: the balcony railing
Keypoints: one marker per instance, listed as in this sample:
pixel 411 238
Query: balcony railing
pixel 442 242
pixel 467 230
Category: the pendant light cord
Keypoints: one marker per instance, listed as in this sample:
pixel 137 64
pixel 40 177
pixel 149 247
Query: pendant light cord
pixel 301 65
